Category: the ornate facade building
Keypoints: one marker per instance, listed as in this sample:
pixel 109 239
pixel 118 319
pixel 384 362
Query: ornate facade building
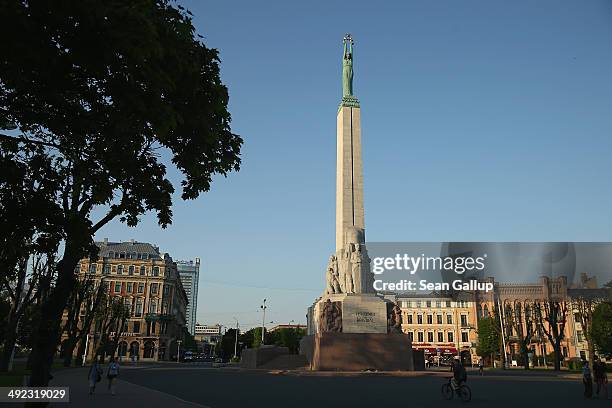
pixel 148 284
pixel 520 305
pixel 446 324
pixel 442 325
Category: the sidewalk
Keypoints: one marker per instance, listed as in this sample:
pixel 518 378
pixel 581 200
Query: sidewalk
pixel 127 394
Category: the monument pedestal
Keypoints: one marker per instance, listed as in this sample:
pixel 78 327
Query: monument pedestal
pixel 358 351
pixel 355 332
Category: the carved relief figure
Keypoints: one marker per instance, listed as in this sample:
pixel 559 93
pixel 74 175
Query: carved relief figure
pixel 356 261
pixel 331 276
pixel 394 318
pixel 330 317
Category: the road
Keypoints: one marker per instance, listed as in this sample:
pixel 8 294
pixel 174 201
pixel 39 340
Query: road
pixel 228 388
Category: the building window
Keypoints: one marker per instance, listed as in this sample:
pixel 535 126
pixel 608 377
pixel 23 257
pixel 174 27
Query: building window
pixel 131 270
pixel 141 288
pixel 130 287
pixel 404 304
pixel 409 319
pixel 430 337
pixel 420 337
pixel 418 303
pixel 136 327
pixel 153 306
pixel 119 269
pixel 440 337
pixel 107 269
pixel 128 305
pixel 139 255
pixel 122 255
pixel 579 336
pixel 142 270
pixel 438 304
pixel 153 327
pixel 464 322
pixel 129 255
pixel 429 319
pixel 464 337
pixel 449 319
pixel 439 319
pixel 145 256
pixel 166 290
pixel 448 303
pixel 156 271
pixel 117 287
pixel 450 336
pixel 411 336
pixel 428 303
pixel 419 319
pixel 92 268
pixel 154 287
pixel 138 312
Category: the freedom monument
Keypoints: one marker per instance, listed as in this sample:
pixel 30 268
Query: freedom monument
pixel 350 327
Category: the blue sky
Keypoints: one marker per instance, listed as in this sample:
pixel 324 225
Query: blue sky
pixel 481 120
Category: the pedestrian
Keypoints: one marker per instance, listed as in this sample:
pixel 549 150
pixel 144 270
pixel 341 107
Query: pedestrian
pixel 480 365
pixel 587 380
pixel 601 377
pixel 111 375
pixel 94 376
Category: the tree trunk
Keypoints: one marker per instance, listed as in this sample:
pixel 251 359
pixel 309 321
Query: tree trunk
pixel 9 343
pixel 557 355
pixel 525 353
pixel 69 351
pixel 591 350
pixel 48 333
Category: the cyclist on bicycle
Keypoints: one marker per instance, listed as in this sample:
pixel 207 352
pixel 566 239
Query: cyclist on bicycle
pixel 459 373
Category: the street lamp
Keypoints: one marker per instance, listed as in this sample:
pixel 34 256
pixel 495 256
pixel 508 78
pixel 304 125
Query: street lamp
pixel 263 320
pixel 178 352
pixel 236 342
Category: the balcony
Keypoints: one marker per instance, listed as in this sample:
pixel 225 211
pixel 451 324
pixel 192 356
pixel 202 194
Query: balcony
pixel 154 317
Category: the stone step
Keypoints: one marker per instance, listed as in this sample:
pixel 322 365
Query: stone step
pixel 286 362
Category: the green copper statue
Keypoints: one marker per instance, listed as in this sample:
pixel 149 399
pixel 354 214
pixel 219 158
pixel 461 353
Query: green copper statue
pixel 347 66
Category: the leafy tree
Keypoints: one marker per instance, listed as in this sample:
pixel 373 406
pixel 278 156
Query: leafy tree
pixel 523 322
pixel 189 342
pixel 608 285
pixel 287 337
pixel 257 337
pixel 108 92
pixel 601 328
pixel 488 337
pixel 551 316
pixel 225 348
pixel 583 305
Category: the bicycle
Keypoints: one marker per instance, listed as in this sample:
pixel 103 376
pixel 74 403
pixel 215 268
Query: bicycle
pixel 463 391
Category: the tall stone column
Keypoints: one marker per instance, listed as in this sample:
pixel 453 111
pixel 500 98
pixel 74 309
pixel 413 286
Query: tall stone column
pixel 349 173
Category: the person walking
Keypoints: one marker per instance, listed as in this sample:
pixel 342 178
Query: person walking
pixel 587 380
pixel 111 374
pixel 480 365
pixel 94 376
pixel 601 377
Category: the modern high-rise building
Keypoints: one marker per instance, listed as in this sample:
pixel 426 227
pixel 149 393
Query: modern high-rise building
pixel 189 272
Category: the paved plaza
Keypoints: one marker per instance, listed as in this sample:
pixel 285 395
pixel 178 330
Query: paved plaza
pixel 198 385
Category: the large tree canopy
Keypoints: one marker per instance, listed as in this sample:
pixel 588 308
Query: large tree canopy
pixel 106 86
pixel 99 92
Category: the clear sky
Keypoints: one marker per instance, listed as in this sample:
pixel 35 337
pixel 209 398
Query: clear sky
pixel 481 120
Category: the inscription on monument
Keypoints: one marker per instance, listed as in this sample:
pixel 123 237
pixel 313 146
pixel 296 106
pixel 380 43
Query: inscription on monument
pixel 365 316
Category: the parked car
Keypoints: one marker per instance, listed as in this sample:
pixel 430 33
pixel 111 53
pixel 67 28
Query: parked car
pixel 188 356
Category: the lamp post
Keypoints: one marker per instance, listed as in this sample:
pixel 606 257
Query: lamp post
pixel 263 320
pixel 178 351
pixel 236 342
